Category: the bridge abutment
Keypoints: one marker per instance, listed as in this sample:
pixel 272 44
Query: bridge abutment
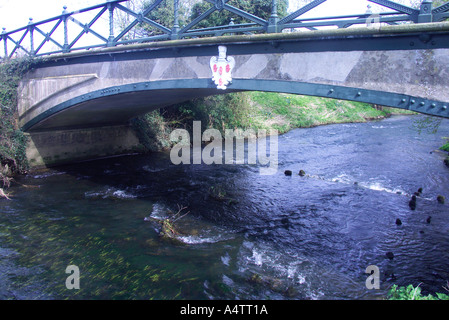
pixel 51 148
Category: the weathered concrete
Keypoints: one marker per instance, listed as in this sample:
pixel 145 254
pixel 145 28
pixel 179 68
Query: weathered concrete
pixel 63 146
pixel 420 73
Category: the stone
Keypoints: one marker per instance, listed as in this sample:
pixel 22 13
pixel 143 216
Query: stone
pixel 389 255
pixel 412 203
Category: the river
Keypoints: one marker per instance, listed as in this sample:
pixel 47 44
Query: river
pixel 268 237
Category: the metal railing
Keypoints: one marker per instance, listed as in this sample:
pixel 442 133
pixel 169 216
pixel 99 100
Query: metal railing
pixel 33 39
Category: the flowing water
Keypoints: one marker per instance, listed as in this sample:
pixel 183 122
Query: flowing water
pixel 246 236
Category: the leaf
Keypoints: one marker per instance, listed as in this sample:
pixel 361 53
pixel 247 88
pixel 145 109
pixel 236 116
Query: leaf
pixel 442 296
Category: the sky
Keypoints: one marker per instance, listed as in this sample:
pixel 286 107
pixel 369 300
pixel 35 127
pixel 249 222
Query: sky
pixel 15 13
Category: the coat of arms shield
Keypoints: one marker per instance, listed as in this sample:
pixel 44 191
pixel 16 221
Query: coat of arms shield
pixel 222 68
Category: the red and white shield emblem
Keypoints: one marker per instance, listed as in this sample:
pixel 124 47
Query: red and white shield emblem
pixel 222 68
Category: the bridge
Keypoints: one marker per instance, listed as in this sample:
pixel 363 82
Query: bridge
pixel 77 101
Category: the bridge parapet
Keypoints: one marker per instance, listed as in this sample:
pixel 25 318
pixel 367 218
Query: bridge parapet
pixel 65 33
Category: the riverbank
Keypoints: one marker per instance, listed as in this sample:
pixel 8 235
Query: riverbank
pixel 12 140
pixel 446 148
pixel 253 110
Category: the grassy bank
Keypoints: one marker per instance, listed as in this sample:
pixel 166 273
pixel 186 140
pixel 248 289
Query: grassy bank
pixel 285 112
pixel 255 110
pixel 445 147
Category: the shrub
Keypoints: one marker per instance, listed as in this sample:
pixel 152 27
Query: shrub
pixel 12 139
pixel 411 293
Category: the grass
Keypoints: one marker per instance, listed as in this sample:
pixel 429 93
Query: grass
pixel 287 111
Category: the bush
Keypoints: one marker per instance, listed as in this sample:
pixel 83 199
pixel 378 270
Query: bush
pixel 12 139
pixel 151 130
pixel 225 111
pixel 411 293
pixel 445 147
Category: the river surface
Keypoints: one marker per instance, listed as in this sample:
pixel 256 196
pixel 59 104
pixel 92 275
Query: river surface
pixel 246 236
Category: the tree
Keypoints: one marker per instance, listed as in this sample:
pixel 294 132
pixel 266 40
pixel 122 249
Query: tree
pixel 123 19
pixel 163 14
pixel 188 10
pixel 259 8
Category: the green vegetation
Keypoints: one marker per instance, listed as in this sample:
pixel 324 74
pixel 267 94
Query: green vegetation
pixel 412 293
pixel 259 8
pixel 190 10
pixel 152 131
pixel 445 147
pixel 255 110
pixel 12 140
pixel 285 111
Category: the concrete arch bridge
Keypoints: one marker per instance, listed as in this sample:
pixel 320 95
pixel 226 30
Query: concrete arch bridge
pixel 76 105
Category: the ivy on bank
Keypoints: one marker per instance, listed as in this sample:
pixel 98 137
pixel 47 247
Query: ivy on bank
pixel 12 140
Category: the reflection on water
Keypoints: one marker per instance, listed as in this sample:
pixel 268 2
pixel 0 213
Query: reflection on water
pixel 246 236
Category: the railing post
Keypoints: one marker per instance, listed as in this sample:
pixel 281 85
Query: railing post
pixel 274 19
pixel 111 25
pixel 65 48
pixel 425 12
pixel 5 43
pixel 175 30
pixel 31 31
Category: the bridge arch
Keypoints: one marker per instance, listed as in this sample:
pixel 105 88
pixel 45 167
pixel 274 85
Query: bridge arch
pixel 117 104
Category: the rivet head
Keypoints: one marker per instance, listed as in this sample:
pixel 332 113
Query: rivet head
pixel 422 103
pixel 412 101
pixel 403 100
pixel 359 93
pixel 331 90
pixel 444 107
pixel 433 105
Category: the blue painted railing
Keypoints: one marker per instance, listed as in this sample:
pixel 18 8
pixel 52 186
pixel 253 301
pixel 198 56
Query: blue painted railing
pixel 31 39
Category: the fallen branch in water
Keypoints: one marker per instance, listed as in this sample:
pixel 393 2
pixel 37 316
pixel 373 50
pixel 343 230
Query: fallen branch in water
pixel 176 216
pixel 168 229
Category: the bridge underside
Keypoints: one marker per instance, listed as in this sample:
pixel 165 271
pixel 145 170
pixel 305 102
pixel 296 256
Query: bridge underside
pixel 117 105
pixel 109 110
